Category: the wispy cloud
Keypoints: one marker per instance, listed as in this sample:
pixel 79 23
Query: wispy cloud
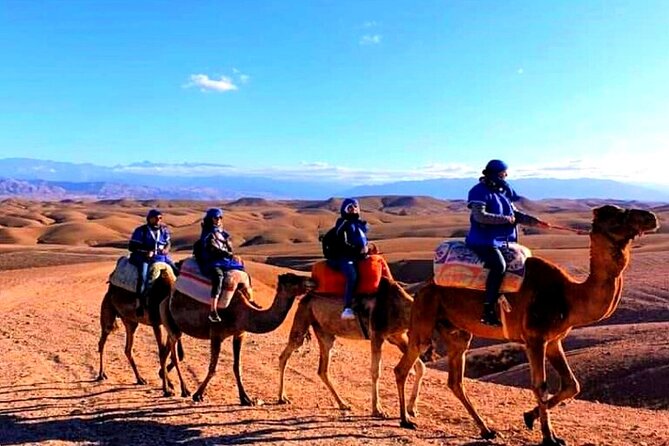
pixel 370 39
pixel 242 77
pixel 205 83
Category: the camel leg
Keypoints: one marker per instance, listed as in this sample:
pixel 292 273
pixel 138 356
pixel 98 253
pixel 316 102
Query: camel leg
pixel 213 361
pixel 297 333
pixel 423 320
pixel 457 343
pixel 130 328
pixel 163 352
pixel 237 341
pixel 377 344
pixel 175 363
pixel 402 342
pixel 569 386
pixel 325 342
pixel 107 324
pixel 536 354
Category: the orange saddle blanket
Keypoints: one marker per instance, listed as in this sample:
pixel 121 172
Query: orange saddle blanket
pixel 370 271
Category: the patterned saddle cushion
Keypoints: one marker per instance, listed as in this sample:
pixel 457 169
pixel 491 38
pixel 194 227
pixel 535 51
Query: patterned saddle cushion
pixel 195 285
pixel 125 274
pixel 370 271
pixel 455 265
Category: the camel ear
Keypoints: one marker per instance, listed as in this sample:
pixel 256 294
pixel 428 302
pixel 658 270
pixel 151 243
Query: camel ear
pixel 607 211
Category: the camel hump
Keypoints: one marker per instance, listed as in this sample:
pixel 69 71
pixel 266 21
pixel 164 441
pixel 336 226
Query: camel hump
pixel 333 282
pixel 455 265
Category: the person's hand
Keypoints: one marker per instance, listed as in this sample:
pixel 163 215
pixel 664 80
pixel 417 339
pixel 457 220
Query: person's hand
pixel 150 254
pixel 511 219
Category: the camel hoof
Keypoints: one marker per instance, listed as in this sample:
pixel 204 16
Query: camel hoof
pixel 140 381
pixel 344 406
pixel 168 393
pixel 197 397
pixel 284 400
pixel 379 413
pixel 247 402
pixel 408 424
pixel 528 417
pixel 413 412
pixel 489 435
pixel 185 393
pixel 101 377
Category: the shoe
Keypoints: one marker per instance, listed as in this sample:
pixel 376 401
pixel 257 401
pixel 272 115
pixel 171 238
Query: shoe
pixel 214 317
pixel 490 318
pixel 347 314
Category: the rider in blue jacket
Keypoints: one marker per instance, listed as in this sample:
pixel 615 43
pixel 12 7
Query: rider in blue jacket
pixel 149 243
pixel 350 247
pixel 493 222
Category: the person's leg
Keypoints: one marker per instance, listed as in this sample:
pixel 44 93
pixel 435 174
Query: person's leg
pixel 143 271
pixel 217 276
pixel 494 261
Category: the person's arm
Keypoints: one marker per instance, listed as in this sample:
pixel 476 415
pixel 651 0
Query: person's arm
pixel 136 243
pixel 216 246
pixel 168 241
pixel 480 215
pixel 528 220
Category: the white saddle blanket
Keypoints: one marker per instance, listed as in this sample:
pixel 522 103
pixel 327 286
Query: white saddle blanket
pixel 455 265
pixel 195 285
pixel 125 275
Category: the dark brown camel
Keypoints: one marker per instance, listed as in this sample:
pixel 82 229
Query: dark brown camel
pixel 181 314
pixel 119 303
pixel 389 319
pixel 548 305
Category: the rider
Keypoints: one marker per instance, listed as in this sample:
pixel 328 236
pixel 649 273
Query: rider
pixel 493 223
pixel 213 252
pixel 149 243
pixel 350 246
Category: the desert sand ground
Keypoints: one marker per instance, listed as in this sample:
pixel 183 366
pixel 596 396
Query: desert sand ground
pixel 55 258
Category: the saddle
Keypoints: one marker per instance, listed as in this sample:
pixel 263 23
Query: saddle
pixel 192 283
pixel 126 276
pixel 457 266
pixel 332 282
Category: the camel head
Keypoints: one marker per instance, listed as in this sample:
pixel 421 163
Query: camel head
pixel 623 225
pixel 292 285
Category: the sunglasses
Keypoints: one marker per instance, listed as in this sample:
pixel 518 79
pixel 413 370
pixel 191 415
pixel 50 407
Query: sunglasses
pixel 351 208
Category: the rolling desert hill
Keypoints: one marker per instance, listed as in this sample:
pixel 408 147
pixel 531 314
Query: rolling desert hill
pixel 55 258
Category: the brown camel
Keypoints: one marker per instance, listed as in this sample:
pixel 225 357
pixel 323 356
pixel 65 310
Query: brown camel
pixel 181 314
pixel 120 303
pixel 547 306
pixel 390 310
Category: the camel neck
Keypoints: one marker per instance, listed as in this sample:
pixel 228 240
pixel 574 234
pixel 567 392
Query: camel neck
pixel 264 321
pixel 598 297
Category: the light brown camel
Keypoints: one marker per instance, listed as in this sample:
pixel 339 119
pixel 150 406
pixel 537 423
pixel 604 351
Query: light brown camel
pixel 120 303
pixel 181 314
pixel 390 311
pixel 548 305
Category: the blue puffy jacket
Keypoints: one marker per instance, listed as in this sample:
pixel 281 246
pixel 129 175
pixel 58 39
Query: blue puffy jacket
pixel 351 234
pixel 145 239
pixel 215 251
pixel 497 201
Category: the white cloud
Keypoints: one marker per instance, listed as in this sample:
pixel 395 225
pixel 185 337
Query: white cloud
pixel 205 83
pixel 370 39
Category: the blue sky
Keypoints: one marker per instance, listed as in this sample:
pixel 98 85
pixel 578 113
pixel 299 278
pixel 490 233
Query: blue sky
pixel 404 90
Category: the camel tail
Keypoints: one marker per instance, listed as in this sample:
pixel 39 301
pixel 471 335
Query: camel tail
pixel 108 314
pixel 170 323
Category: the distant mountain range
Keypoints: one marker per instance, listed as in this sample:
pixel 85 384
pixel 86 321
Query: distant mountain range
pixel 47 180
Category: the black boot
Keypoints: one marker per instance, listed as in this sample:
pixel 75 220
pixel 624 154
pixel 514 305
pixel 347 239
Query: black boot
pixel 490 316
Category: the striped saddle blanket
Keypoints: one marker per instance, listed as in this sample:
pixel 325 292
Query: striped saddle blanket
pixel 455 265
pixel 125 274
pixel 195 285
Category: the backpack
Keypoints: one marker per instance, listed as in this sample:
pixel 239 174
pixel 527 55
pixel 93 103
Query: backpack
pixel 330 244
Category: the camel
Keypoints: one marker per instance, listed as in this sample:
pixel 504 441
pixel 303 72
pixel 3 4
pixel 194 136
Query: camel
pixel 547 306
pixel 182 314
pixel 119 303
pixel 389 318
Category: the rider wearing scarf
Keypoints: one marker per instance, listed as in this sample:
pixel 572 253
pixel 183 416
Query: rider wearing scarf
pixel 493 222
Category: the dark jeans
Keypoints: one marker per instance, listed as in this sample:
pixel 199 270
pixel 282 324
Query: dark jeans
pixel 350 270
pixel 143 270
pixel 217 276
pixel 493 260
